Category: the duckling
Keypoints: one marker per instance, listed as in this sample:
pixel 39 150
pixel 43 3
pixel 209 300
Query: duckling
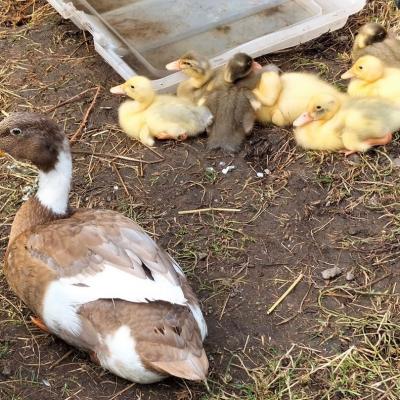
pixel 148 115
pixel 373 39
pixel 200 74
pixel 319 128
pixel 232 103
pixel 93 277
pixel 347 125
pixel 241 70
pixel 285 96
pixel 370 77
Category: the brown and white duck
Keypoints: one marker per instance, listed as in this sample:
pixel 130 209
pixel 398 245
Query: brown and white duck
pixel 93 277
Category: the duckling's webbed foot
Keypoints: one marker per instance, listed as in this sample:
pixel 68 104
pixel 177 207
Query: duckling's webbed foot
pixel 38 322
pixel 183 136
pixel 347 152
pixel 381 141
pixel 163 135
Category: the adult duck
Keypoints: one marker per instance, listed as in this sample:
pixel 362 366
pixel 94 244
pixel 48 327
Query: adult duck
pixel 94 278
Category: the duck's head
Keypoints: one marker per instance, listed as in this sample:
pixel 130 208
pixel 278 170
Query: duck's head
pixel 320 108
pixel 370 33
pixel 192 64
pixel 367 68
pixel 138 88
pixel 32 137
pixel 240 66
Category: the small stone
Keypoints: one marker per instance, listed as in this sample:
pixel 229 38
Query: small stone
pixel 354 230
pixel 331 273
pixel 350 276
pixel 228 169
pixel 267 171
pixel 108 198
pixel 260 175
pixel 202 256
pixel 46 382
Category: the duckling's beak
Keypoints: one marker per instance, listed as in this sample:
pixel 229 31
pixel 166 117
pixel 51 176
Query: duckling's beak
pixel 174 66
pixel 304 118
pixel 348 74
pixel 118 90
pixel 256 66
pixel 2 153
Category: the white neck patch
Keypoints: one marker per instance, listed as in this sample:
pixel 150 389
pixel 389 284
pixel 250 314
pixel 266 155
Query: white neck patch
pixel 54 186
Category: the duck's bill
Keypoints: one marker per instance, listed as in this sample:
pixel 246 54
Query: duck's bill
pixel 118 90
pixel 304 118
pixel 174 66
pixel 347 75
pixel 256 66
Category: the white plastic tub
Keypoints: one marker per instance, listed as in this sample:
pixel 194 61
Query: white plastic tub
pixel 141 36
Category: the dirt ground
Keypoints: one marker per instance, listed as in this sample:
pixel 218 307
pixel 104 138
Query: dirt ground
pixel 311 211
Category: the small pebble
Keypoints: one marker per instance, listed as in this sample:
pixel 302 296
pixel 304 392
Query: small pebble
pixel 222 163
pixel 260 175
pixel 228 168
pixel 331 273
pixel 350 276
pixel 354 230
pixel 202 256
pixel 267 171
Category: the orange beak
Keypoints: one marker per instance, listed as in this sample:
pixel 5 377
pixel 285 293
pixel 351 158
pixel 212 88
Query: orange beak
pixel 174 66
pixel 2 153
pixel 348 74
pixel 304 119
pixel 118 90
pixel 256 66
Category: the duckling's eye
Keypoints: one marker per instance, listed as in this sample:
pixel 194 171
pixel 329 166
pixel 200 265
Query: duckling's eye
pixel 360 67
pixel 319 108
pixel 132 87
pixel 15 131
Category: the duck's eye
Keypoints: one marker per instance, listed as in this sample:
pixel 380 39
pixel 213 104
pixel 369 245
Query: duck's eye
pixel 132 86
pixel 319 108
pixel 15 131
pixel 360 67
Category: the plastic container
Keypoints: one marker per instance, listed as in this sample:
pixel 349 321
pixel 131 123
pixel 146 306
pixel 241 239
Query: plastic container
pixel 142 36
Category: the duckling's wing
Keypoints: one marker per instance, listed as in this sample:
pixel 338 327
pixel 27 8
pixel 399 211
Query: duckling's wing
pixel 96 254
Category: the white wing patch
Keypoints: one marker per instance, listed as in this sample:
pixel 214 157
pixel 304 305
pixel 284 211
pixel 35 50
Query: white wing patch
pixel 122 358
pixel 64 296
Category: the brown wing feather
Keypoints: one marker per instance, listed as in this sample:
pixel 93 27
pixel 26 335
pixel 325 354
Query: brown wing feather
pixel 83 243
pixel 167 337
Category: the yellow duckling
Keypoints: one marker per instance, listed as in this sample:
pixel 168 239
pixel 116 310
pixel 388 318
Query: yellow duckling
pixel 370 77
pixel 284 97
pixel 319 128
pixel 200 74
pixel 346 124
pixel 148 115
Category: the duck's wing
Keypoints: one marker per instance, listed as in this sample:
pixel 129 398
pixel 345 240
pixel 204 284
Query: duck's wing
pixel 93 255
pixel 166 336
